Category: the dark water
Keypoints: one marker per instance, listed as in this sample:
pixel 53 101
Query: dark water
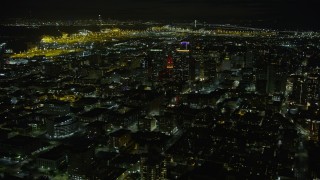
pixel 19 38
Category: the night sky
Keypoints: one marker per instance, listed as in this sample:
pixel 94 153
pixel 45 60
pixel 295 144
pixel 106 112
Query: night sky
pixel 286 12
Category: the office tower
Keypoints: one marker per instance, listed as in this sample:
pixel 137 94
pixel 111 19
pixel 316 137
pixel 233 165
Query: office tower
pixel 210 65
pixel 299 89
pixel 314 130
pixel 153 167
pixel 249 59
pixel 170 62
pixel 225 64
pixel 147 65
pixel 185 45
pixel 271 79
pixel 313 88
pixel 2 51
pixel 192 69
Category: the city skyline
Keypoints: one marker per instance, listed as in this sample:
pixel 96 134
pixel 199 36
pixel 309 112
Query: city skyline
pixel 291 13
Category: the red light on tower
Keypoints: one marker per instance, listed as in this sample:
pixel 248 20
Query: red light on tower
pixel 169 63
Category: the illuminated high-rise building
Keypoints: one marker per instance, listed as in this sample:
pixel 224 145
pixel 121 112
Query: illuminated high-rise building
pixel 100 20
pixel 170 62
pixel 154 62
pixel 184 47
pixel 249 59
pixel 168 72
pixel 270 79
pixel 314 130
pixel 185 44
pixel 153 167
pixel 192 68
pixel 313 88
pixel 211 65
pixel 2 51
pixel 299 90
pixel 148 65
pixel 277 79
pixel 226 63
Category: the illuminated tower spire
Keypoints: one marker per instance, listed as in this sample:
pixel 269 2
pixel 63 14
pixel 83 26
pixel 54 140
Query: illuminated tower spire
pixel 100 20
pixel 185 44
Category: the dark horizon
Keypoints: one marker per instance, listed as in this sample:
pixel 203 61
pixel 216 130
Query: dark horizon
pixel 289 13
